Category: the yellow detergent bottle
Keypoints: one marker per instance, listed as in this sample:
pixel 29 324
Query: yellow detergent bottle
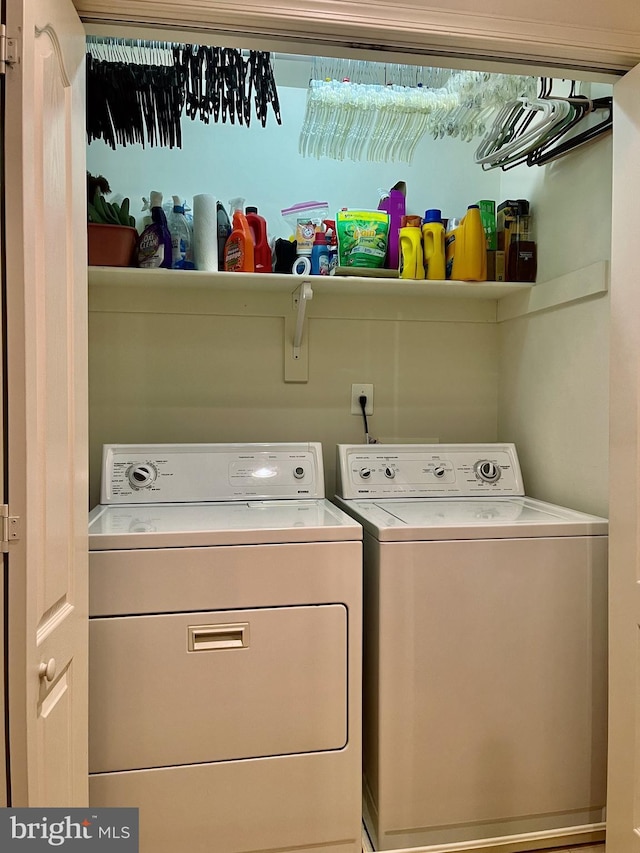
pixel 433 243
pixel 470 258
pixel 411 262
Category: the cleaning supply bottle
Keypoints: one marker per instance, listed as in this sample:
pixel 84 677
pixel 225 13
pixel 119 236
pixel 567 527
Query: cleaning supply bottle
pixel 470 258
pixel 411 257
pixel 394 203
pixel 238 250
pixel 433 245
pixel 154 244
pixel 224 229
pixel 320 255
pixel 181 242
pixel 262 249
pixel 450 244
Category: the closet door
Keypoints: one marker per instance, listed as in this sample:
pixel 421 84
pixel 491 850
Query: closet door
pixel 623 811
pixel 45 386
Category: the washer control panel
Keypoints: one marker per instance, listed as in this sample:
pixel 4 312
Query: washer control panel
pixel 427 470
pixel 194 473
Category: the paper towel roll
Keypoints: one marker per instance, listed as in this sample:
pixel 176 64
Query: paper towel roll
pixel 205 232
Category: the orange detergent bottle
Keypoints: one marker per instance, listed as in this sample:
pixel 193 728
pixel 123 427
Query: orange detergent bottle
pixel 262 250
pixel 238 250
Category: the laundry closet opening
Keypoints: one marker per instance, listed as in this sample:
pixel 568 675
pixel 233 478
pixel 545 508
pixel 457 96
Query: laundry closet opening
pixel 177 358
pixel 186 358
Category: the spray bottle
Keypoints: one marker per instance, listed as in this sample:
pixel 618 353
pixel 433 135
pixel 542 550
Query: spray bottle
pixel 154 244
pixel 181 243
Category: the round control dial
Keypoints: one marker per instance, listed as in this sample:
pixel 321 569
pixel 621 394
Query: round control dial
pixel 389 472
pixel 141 475
pixel 439 471
pixel 298 472
pixel 365 473
pixel 488 471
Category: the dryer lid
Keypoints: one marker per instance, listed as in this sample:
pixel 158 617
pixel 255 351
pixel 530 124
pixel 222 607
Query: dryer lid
pixel 206 524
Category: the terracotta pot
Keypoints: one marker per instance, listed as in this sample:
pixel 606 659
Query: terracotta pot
pixel 111 245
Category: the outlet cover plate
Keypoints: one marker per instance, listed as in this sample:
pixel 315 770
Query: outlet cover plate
pixel 358 391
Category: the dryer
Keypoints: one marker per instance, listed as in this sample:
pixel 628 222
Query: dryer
pixel 485 648
pixel 225 649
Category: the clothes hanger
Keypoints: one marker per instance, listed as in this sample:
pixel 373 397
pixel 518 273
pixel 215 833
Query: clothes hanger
pixel 516 127
pixel 588 135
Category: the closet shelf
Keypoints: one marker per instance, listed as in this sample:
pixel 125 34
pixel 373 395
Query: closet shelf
pixel 334 285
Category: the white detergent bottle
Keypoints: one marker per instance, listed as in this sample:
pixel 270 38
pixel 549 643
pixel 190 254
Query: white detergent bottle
pixel 181 242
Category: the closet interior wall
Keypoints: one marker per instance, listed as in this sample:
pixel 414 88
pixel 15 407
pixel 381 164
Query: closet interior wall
pixel 443 368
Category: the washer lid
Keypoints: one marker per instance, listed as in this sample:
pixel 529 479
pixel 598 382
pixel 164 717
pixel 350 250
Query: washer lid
pixel 188 525
pixel 470 518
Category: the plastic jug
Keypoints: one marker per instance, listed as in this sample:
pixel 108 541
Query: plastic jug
pixel 238 250
pixel 394 203
pixel 411 258
pixel 470 258
pixel 433 243
pixel 262 250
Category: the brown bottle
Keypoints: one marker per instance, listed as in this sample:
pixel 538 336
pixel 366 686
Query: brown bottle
pixel 522 260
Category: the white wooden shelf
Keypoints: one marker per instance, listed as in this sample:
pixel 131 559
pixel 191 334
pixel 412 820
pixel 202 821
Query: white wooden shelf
pixel 296 298
pixel 369 285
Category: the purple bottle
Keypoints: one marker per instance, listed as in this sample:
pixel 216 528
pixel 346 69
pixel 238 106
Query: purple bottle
pixel 154 247
pixel 395 205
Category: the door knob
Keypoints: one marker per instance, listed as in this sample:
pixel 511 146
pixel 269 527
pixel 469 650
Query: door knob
pixel 48 670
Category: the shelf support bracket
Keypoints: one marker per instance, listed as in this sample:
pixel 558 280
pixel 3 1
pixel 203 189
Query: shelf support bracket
pixel 296 343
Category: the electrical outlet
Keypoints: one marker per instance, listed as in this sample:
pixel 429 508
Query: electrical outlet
pixel 358 391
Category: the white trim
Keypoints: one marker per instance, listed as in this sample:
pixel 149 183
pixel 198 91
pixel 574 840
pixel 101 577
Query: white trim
pixel 408 28
pixel 572 287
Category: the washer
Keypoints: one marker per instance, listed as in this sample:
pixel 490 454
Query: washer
pixel 484 650
pixel 225 649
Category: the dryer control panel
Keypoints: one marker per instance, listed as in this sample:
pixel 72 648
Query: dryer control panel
pixel 427 470
pixel 194 473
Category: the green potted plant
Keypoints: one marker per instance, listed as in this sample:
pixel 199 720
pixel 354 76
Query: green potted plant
pixel 111 229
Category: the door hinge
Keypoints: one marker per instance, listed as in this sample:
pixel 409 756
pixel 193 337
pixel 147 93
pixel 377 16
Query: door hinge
pixel 8 50
pixel 9 528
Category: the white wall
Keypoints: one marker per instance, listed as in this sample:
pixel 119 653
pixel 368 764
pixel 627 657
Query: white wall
pixel 554 365
pixel 263 166
pixel 540 381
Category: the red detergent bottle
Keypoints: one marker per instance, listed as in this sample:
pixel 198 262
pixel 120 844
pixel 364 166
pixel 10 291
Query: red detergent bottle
pixel 262 250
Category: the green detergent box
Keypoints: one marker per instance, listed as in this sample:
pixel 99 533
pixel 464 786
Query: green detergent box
pixel 488 216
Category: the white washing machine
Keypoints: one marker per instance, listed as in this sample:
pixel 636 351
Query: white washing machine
pixel 225 649
pixel 485 648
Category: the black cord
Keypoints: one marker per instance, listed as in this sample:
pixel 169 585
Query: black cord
pixel 363 405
